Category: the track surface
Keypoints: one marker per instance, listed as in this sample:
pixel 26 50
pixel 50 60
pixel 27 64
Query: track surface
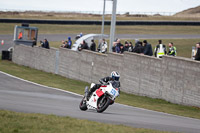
pixel 21 96
pixel 59 37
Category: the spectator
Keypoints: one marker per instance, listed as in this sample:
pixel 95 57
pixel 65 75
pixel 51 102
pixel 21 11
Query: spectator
pixel 83 45
pixel 63 44
pixel 172 49
pixel 41 43
pixel 126 47
pixel 66 44
pixel 102 48
pixel 138 48
pixel 197 56
pixel 93 45
pixel 34 42
pixel 117 44
pixel 121 49
pixel 45 44
pixel 69 43
pixel 114 48
pixel 130 49
pixel 160 50
pixel 147 48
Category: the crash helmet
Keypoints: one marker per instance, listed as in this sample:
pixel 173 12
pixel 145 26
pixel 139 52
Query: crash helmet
pixel 115 75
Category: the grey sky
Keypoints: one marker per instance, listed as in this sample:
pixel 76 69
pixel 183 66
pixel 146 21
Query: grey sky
pixel 97 5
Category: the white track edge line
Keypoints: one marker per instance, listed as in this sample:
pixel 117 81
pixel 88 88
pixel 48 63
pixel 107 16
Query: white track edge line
pixel 40 84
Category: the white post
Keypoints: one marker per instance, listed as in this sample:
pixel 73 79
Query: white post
pixel 103 18
pixel 113 23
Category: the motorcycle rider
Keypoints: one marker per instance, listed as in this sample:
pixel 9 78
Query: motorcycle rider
pixel 113 77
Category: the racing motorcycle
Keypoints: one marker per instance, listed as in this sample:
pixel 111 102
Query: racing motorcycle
pixel 102 97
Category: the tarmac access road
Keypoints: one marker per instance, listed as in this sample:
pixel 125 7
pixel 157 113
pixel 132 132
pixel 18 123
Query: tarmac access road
pixel 8 39
pixel 22 96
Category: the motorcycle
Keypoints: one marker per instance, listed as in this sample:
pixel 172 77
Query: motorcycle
pixel 102 97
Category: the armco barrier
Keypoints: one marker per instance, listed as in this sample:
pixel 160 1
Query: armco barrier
pixel 174 79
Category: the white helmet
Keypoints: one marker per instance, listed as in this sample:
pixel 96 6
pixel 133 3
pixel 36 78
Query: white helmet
pixel 115 75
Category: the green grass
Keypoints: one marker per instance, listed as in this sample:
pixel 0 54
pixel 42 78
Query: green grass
pixel 13 122
pixel 78 87
pixel 8 28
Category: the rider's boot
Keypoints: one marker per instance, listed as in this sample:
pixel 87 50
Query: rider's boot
pixel 88 95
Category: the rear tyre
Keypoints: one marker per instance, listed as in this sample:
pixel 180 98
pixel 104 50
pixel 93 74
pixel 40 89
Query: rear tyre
pixel 103 104
pixel 83 105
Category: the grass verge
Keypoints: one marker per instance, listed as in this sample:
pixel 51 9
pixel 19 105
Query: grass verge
pixel 13 122
pixel 57 81
pixel 8 28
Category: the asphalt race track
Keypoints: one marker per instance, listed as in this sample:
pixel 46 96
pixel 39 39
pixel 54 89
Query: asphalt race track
pixel 22 96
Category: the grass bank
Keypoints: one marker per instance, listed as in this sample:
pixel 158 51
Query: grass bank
pixel 78 87
pixel 13 122
pixel 82 16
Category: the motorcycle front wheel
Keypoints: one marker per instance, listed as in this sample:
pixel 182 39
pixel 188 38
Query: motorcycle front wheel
pixel 103 104
pixel 83 105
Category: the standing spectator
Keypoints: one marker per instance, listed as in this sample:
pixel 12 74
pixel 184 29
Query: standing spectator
pixel 102 48
pixel 172 49
pixel 69 43
pixel 63 44
pixel 147 48
pixel 93 45
pixel 197 56
pixel 83 45
pixel 121 49
pixel 114 47
pixel 126 47
pixel 45 44
pixel 160 49
pixel 130 49
pixel 138 48
pixel 118 44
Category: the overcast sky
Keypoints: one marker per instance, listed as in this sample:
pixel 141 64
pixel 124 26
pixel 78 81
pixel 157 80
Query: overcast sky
pixel 97 5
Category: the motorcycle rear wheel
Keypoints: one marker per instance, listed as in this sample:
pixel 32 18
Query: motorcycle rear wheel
pixel 103 104
pixel 83 105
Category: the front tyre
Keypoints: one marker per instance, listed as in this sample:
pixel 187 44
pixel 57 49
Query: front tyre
pixel 83 105
pixel 103 104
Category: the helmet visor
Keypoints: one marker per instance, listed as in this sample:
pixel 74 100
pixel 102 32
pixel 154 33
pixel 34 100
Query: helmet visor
pixel 116 78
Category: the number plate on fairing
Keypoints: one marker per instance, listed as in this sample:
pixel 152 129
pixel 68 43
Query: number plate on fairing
pixel 113 92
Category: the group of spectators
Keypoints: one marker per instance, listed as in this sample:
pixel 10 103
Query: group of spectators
pixel 143 47
pixel 67 44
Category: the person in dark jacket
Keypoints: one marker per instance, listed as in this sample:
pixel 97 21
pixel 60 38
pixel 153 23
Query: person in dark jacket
pixel 121 49
pixel 126 47
pixel 45 44
pixel 147 48
pixel 93 46
pixel 197 56
pixel 138 48
pixel 83 45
